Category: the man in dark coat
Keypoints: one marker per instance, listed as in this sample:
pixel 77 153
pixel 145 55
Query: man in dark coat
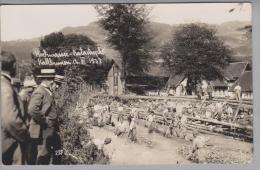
pixel 14 132
pixel 44 123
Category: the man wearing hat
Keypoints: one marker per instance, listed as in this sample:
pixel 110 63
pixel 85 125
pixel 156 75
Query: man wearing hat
pixel 26 92
pixel 14 132
pixel 25 95
pixel 44 124
pixel 237 90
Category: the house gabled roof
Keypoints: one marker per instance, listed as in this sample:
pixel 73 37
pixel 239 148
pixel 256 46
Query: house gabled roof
pixel 219 83
pixel 175 80
pixel 234 70
pixel 115 65
pixel 245 82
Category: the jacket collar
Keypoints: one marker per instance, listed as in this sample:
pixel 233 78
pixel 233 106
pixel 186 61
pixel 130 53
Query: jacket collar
pixel 7 76
pixel 46 88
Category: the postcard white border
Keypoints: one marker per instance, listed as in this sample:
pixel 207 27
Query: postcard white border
pixel 256 91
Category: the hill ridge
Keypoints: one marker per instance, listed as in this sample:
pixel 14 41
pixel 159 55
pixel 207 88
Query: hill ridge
pixel 162 32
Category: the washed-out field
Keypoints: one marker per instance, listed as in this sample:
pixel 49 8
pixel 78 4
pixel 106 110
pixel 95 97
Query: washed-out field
pixel 157 149
pixel 154 148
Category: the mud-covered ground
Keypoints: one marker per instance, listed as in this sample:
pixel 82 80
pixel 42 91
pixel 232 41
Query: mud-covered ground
pixel 157 149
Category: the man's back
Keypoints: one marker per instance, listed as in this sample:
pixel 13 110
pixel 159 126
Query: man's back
pixel 44 124
pixel 13 127
pixel 11 112
pixel 6 87
pixel 40 104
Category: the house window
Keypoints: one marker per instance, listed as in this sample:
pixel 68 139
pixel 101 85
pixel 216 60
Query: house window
pixel 115 77
pixel 115 80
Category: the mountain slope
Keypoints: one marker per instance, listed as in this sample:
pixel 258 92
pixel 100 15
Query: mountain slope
pixel 161 33
pixel 21 49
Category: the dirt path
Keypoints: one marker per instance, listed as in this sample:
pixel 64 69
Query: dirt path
pixel 150 148
pixel 154 148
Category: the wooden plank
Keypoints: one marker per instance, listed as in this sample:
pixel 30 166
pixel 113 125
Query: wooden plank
pixel 211 121
pixel 222 123
pixel 189 98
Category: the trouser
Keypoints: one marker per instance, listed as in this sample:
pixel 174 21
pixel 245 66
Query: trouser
pixel 109 119
pixel 183 131
pixel 50 148
pixel 32 151
pixel 210 95
pixel 150 127
pixel 8 156
pixel 165 126
pixel 132 134
pixel 95 121
pixel 15 155
pixel 100 122
pixel 20 154
pixel 238 96
pixel 167 132
pixel 199 95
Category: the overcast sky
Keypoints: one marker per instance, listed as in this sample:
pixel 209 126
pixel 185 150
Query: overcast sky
pixel 30 21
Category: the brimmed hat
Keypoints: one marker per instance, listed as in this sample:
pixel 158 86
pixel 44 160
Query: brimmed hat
pixel 29 83
pixel 47 73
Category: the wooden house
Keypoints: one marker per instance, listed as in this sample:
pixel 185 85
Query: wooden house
pixel 114 83
pixel 152 80
pixel 235 72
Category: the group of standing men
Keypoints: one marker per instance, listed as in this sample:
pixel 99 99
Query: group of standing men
pixel 29 124
pixel 204 90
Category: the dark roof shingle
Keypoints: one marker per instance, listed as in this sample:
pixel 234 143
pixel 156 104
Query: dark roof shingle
pixel 219 83
pixel 234 70
pixel 175 80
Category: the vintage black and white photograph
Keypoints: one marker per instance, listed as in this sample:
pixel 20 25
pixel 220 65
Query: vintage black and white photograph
pixel 127 84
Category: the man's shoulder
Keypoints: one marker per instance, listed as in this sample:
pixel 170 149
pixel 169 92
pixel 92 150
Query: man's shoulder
pixel 39 90
pixel 6 86
pixel 237 87
pixel 5 81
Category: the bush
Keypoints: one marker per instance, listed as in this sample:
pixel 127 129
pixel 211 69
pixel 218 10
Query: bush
pixel 77 142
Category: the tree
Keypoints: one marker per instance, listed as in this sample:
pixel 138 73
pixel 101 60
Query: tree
pixel 125 25
pixel 68 95
pixel 75 74
pixel 24 69
pixel 52 40
pixel 197 53
pixel 57 39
